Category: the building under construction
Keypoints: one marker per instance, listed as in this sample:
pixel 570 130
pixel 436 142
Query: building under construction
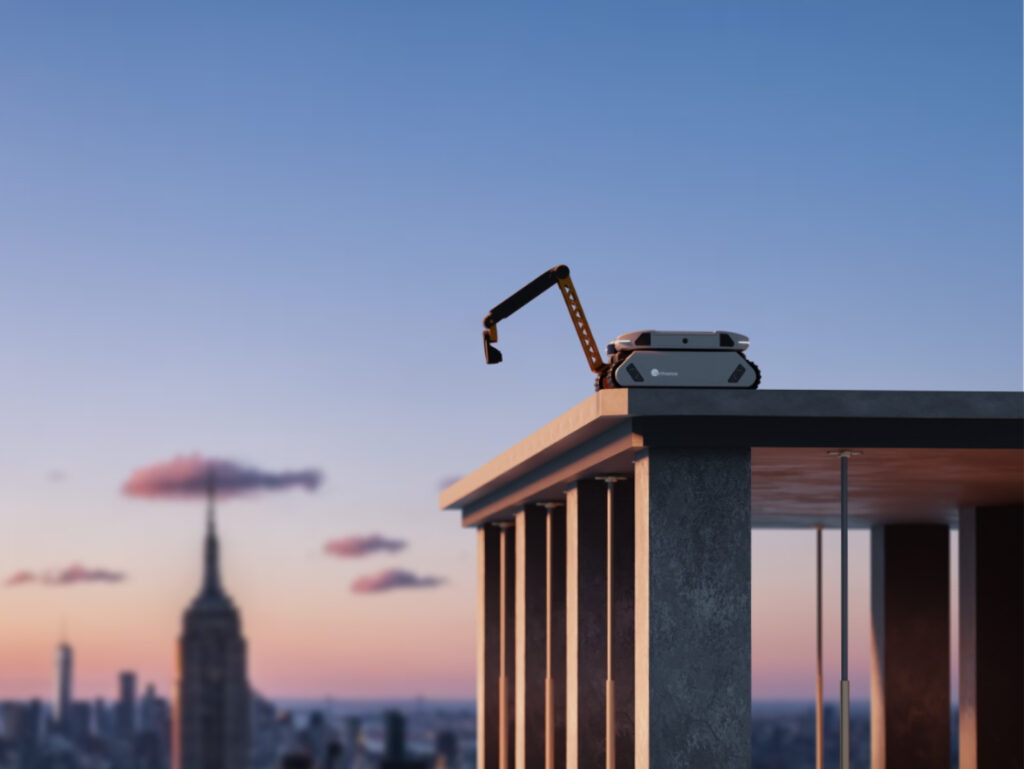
pixel 614 571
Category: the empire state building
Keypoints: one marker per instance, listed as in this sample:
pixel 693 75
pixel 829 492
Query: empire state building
pixel 212 719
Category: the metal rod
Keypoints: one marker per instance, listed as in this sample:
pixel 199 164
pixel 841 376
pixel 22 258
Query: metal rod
pixel 609 689
pixel 547 592
pixel 609 594
pixel 609 695
pixel 819 711
pixel 844 684
pixel 845 568
pixel 549 683
pixel 502 652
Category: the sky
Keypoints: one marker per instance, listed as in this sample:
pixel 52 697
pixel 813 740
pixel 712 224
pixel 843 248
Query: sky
pixel 268 233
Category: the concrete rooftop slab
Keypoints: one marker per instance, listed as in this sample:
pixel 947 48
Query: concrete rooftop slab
pixel 927 454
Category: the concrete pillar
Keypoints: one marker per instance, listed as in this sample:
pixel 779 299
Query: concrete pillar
pixel 585 534
pixel 487 642
pixel 507 645
pixel 623 647
pixel 554 715
pixel 531 636
pixel 692 608
pixel 992 638
pixel 910 648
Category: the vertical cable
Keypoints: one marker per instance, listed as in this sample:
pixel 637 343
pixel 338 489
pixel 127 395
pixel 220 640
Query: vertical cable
pixel 819 715
pixel 609 725
pixel 549 683
pixel 844 683
pixel 609 760
pixel 845 568
pixel 502 652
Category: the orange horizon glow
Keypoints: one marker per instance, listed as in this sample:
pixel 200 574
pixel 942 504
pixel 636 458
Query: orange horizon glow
pixel 401 644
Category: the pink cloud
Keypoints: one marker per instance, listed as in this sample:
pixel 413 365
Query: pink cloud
pixel 20 578
pixel 356 546
pixel 392 579
pixel 70 575
pixel 189 476
pixel 77 573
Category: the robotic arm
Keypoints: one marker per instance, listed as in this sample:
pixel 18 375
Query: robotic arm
pixel 528 293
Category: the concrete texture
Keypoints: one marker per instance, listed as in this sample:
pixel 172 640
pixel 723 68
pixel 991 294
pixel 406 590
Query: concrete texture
pixel 926 440
pixel 488 540
pixel 585 625
pixel 531 636
pixel 992 638
pixel 693 609
pixel 910 649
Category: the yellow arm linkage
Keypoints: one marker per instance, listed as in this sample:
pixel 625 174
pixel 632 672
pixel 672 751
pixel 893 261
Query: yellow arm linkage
pixel 579 322
pixel 532 290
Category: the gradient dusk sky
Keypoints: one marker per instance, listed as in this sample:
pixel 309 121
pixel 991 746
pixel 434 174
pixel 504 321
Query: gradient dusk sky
pixel 269 231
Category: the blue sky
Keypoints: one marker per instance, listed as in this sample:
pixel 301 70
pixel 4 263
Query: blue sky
pixel 270 232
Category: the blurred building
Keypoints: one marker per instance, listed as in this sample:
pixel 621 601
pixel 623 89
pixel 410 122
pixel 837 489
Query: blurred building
pixel 213 691
pixel 153 735
pixel 23 731
pixel 78 722
pixel 264 732
pixel 353 741
pixel 447 750
pixel 126 705
pixel 296 761
pixel 103 719
pixel 394 745
pixel 62 701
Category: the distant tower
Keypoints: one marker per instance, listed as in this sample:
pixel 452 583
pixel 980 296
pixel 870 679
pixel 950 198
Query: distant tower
pixel 394 739
pixel 212 718
pixel 353 741
pixel 126 706
pixel 62 706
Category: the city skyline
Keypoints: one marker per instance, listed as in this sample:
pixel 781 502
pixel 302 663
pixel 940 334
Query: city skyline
pixel 270 237
pixel 778 673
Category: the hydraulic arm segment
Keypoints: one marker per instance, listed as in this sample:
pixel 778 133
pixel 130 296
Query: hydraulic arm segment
pixel 641 358
pixel 528 293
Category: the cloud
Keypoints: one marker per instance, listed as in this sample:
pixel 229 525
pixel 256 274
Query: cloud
pixel 77 573
pixel 392 579
pixel 20 578
pixel 447 481
pixel 354 547
pixel 189 476
pixel 74 574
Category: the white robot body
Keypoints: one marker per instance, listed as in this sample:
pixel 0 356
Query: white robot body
pixel 681 359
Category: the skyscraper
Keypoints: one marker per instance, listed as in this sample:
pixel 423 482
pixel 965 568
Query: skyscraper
pixel 126 706
pixel 212 723
pixel 65 661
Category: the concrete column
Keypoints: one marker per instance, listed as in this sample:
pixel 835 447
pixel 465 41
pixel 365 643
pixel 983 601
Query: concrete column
pixel 487 643
pixel 586 540
pixel 910 649
pixel 692 608
pixel 531 636
pixel 554 715
pixel 623 646
pixel 992 638
pixel 507 645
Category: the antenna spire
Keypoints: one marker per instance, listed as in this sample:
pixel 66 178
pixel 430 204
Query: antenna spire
pixel 211 571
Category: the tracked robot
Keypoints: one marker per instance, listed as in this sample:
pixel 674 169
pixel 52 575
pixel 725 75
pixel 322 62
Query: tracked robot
pixel 686 359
